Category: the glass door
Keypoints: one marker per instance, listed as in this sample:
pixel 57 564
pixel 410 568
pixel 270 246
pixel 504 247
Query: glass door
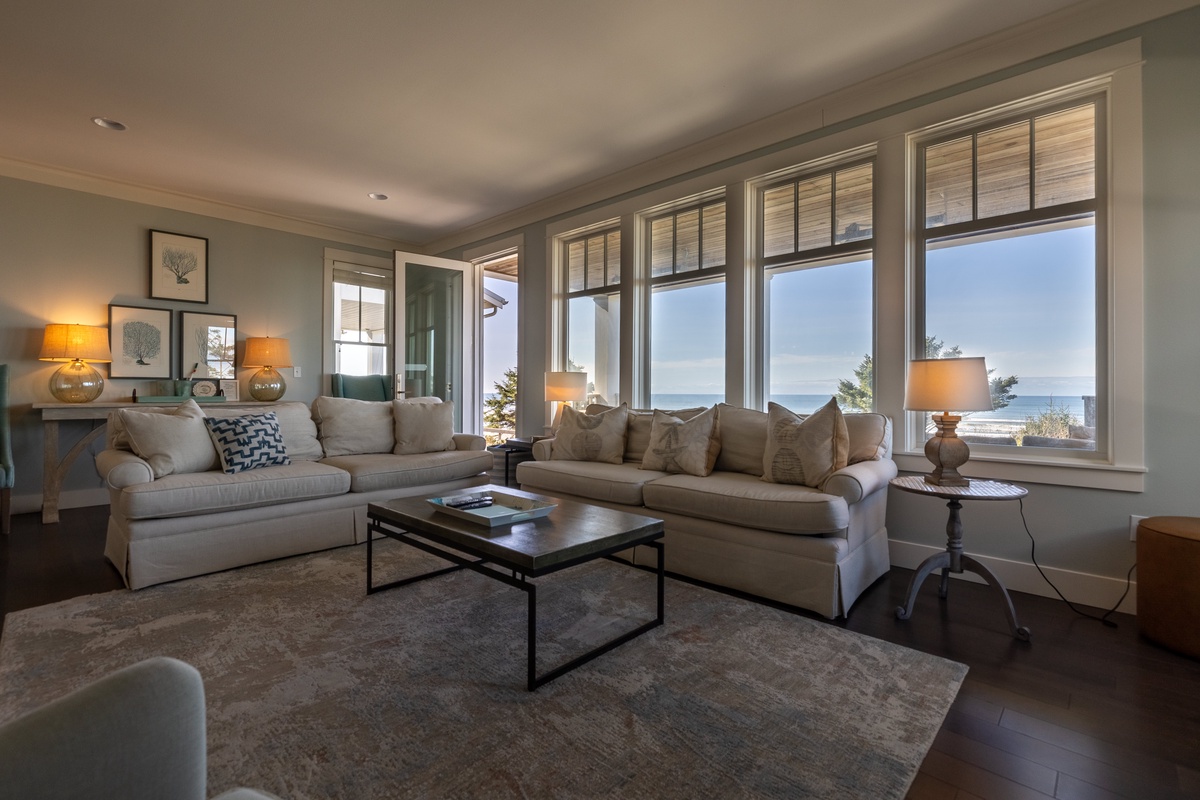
pixel 438 328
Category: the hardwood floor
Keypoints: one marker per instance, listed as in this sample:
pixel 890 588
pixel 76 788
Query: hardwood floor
pixel 1082 711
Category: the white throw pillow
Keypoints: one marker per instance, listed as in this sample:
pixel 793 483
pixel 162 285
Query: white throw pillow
pixel 423 426
pixel 805 450
pixel 351 427
pixel 683 446
pixel 173 443
pixel 591 437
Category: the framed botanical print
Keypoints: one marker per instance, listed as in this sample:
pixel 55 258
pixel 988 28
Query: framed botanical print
pixel 207 344
pixel 140 339
pixel 178 267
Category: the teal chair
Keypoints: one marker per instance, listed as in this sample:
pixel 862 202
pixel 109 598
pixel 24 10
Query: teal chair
pixel 7 473
pixel 362 387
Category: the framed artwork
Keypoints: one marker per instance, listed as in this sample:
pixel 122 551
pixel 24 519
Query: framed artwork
pixel 178 267
pixel 140 339
pixel 229 389
pixel 207 345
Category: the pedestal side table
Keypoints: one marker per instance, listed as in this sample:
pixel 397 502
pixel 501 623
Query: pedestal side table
pixel 954 560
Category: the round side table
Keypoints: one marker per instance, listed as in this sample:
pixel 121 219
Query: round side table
pixel 954 560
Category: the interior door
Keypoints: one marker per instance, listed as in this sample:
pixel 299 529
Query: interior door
pixel 438 331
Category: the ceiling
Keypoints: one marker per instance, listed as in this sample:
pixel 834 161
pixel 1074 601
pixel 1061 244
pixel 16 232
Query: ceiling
pixel 457 111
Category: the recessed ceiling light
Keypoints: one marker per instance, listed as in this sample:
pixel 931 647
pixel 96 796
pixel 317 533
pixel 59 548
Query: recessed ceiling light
pixel 377 196
pixel 108 124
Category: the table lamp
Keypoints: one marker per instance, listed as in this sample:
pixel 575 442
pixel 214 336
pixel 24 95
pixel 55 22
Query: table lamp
pixel 944 384
pixel 268 353
pixel 76 381
pixel 562 388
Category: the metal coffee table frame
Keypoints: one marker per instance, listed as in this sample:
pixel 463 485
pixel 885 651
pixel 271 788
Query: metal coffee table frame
pixel 518 577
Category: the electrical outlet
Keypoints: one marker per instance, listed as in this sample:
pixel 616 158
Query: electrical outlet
pixel 295 372
pixel 1134 519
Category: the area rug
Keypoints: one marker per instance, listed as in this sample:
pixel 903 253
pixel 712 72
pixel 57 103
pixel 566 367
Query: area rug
pixel 316 690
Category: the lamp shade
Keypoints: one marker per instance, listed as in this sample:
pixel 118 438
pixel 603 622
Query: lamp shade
pixel 568 387
pixel 947 384
pixel 63 342
pixel 264 351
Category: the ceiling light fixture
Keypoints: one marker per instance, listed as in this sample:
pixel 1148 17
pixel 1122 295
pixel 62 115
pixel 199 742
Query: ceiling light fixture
pixel 377 196
pixel 108 124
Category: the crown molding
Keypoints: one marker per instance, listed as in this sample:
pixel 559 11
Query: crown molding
pixel 1079 24
pixel 94 184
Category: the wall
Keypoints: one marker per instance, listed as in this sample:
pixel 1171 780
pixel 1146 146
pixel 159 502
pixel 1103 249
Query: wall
pixel 1082 534
pixel 67 254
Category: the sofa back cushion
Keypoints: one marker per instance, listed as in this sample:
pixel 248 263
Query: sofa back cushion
pixel 591 437
pixel 422 426
pixel 638 425
pixel 295 423
pixel 805 450
pixel 870 436
pixel 171 441
pixel 683 446
pixel 352 427
pixel 743 439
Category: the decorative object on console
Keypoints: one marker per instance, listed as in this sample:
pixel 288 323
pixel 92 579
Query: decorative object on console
pixel 945 384
pixel 75 381
pixel 562 388
pixel 268 353
pixel 178 267
pixel 229 390
pixel 140 339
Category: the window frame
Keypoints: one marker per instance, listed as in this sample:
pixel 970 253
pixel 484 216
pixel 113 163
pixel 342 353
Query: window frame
pixel 335 260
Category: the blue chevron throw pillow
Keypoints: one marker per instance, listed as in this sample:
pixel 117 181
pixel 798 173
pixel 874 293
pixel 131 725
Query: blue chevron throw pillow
pixel 248 442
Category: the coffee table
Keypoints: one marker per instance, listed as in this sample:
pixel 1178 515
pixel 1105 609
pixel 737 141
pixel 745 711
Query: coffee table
pixel 573 533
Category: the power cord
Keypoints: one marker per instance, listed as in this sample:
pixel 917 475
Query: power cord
pixel 1104 619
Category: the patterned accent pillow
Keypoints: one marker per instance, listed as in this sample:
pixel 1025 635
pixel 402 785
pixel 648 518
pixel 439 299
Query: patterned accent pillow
pixel 248 442
pixel 591 437
pixel 805 450
pixel 687 446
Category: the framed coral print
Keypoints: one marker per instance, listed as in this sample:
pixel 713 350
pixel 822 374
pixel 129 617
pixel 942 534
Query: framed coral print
pixel 140 339
pixel 206 345
pixel 178 267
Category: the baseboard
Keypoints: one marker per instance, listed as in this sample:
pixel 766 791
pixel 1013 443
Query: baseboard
pixel 1080 588
pixel 74 498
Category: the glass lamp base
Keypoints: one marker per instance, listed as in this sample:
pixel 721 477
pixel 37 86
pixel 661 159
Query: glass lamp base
pixel 76 382
pixel 267 385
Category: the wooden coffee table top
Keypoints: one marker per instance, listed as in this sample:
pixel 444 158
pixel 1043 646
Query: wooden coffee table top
pixel 572 533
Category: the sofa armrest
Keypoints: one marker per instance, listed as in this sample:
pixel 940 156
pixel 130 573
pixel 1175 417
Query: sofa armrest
pixel 860 480
pixel 121 468
pixel 542 449
pixel 469 441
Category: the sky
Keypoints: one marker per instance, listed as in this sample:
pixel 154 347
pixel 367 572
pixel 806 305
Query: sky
pixel 499 335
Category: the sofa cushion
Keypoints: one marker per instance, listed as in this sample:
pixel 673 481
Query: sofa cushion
pixel 295 423
pixel 747 501
pixel 870 436
pixel 171 441
pixel 422 427
pixel 612 483
pixel 591 437
pixel 805 450
pixel 250 442
pixel 638 425
pixel 374 471
pixel 687 446
pixel 743 439
pixel 215 492
pixel 350 427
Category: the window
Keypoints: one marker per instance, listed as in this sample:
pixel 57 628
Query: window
pixel 817 239
pixel 362 312
pixel 687 306
pixel 593 265
pixel 1011 214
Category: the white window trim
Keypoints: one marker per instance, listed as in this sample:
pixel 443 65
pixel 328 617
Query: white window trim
pixel 328 356
pixel 1117 72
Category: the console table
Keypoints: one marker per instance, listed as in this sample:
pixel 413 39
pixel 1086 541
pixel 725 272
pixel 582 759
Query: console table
pixel 953 560
pixel 54 469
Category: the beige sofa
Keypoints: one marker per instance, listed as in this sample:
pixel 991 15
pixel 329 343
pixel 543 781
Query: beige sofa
pixel 816 548
pixel 343 455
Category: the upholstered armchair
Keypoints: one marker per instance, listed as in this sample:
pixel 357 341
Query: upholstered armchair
pixel 136 734
pixel 362 387
pixel 7 473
